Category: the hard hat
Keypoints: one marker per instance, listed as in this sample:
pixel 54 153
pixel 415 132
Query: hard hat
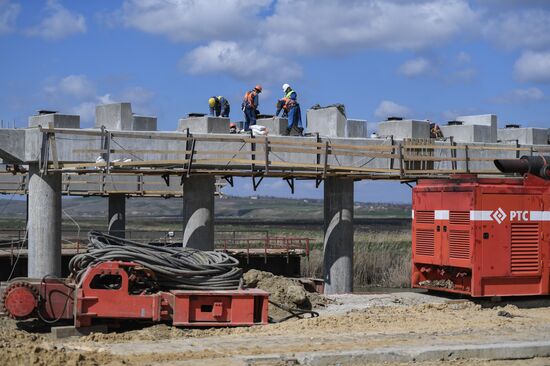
pixel 232 125
pixel 285 87
pixel 212 102
pixel 258 88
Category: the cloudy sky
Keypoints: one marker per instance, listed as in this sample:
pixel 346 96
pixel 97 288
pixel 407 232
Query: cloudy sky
pixel 431 59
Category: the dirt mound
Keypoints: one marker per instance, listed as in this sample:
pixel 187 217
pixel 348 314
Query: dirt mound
pixel 21 347
pixel 285 291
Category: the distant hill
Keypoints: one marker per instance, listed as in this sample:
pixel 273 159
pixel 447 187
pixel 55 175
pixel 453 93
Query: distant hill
pixel 254 208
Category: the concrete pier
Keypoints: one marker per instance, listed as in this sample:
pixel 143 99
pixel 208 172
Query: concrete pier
pixel 198 212
pixel 338 241
pixel 117 215
pixel 44 223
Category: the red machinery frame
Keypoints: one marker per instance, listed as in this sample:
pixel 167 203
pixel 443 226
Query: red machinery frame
pixel 482 236
pixel 52 299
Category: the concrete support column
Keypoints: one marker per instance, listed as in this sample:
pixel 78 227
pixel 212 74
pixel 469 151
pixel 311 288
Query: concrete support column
pixel 117 215
pixel 44 223
pixel 338 241
pixel 198 212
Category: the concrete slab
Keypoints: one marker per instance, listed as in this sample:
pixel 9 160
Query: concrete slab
pixel 469 133
pixel 144 123
pixel 275 125
pixel 72 331
pixel 204 124
pixel 524 136
pixel 115 116
pixel 58 120
pixel 328 122
pixel 356 128
pixel 407 128
pixel 482 120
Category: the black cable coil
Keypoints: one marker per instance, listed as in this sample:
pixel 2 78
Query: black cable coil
pixel 175 268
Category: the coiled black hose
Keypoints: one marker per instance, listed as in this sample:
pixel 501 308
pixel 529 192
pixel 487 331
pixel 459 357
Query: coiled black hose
pixel 175 268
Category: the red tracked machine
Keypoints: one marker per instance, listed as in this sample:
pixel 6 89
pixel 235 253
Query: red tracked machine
pixel 116 290
pixel 484 236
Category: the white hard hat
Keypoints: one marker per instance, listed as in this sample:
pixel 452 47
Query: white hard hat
pixel 285 87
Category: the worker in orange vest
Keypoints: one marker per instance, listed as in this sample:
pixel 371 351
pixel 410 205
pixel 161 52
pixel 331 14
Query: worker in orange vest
pixel 250 106
pixel 289 103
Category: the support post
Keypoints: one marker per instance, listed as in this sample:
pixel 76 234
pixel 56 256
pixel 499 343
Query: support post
pixel 198 212
pixel 338 240
pixel 44 223
pixel 117 215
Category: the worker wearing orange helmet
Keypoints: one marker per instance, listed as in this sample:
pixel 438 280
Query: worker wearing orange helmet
pixel 250 106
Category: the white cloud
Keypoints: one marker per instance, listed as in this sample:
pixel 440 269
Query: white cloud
pixel 415 67
pixel 58 23
pixel 533 67
pixel 8 15
pixel 191 20
pixel 86 111
pixel 387 108
pixel 521 96
pixel 241 62
pixel 463 57
pixel 337 26
pixel 78 86
pixel 527 28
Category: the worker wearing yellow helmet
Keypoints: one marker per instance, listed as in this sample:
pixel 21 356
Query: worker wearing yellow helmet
pixel 219 106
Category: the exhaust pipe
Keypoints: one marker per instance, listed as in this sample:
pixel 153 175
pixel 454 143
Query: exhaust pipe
pixel 536 165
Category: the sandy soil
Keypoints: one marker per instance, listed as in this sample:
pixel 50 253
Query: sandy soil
pixel 346 323
pixel 389 322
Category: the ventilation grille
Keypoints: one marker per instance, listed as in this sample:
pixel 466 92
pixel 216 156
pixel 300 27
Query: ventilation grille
pixel 459 244
pixel 525 248
pixel 425 243
pixel 459 217
pixel 424 217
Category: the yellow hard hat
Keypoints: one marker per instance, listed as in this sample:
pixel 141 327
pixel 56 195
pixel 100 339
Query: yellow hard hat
pixel 211 102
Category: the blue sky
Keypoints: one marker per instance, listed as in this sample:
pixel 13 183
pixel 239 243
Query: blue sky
pixel 434 59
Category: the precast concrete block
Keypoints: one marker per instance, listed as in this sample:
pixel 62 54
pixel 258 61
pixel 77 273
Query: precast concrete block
pixel 482 120
pixel 58 120
pixel 144 123
pixel 407 128
pixel 275 125
pixel 204 124
pixel 115 116
pixel 356 128
pixel 328 122
pixel 524 136
pixel 468 133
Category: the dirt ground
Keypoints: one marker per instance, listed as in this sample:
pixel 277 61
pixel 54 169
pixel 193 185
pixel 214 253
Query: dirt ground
pixel 402 319
pixel 347 323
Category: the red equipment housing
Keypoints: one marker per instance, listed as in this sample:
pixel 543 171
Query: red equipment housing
pixel 113 291
pixel 482 236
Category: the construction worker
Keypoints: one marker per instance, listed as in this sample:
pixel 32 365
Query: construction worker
pixel 250 106
pixel 290 100
pixel 219 107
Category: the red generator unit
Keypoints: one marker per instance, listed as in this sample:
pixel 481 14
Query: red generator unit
pixel 482 236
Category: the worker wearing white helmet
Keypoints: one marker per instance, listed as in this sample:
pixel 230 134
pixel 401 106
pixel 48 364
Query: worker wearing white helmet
pixel 219 106
pixel 289 103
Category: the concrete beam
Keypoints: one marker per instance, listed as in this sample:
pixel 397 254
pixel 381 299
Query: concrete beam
pixel 117 215
pixel 198 212
pixel 407 128
pixel 44 223
pixel 56 119
pixel 338 240
pixel 204 124
pixel 115 116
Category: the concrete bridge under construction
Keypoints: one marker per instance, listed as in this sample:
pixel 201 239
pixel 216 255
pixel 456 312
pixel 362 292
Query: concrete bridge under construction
pixel 125 155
